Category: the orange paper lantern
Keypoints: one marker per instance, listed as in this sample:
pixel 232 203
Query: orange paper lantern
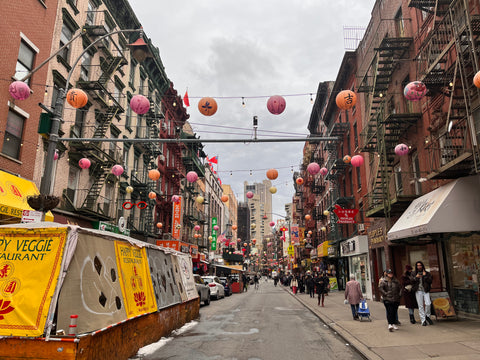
pixel 299 181
pixel 346 99
pixel 154 174
pixel 152 195
pixel 207 106
pixel 476 80
pixel 159 225
pixel 224 198
pixel 234 227
pixel 77 98
pixel 307 217
pixel 272 174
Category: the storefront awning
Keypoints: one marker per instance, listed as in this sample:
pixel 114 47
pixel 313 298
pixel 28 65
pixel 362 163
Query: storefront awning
pixel 13 195
pixel 454 207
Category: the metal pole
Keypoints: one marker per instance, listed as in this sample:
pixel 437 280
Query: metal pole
pixel 185 141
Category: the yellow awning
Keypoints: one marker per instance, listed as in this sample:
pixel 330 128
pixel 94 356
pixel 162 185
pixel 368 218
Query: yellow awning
pixel 13 195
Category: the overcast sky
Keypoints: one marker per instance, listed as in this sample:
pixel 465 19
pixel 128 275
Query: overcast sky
pixel 225 48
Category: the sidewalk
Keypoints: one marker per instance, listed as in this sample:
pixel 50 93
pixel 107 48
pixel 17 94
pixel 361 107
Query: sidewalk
pixel 445 340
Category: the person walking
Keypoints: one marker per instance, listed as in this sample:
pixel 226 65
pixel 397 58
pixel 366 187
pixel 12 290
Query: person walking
pixel 408 293
pixel 353 294
pixel 391 291
pixel 310 286
pixel 323 285
pixel 294 285
pixel 245 282
pixel 422 283
pixel 255 280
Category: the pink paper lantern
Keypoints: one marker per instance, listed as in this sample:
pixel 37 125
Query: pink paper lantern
pixel 276 104
pixel 401 149
pixel 84 163
pixel 117 170
pixel 55 157
pixel 269 244
pixel 139 104
pixel 313 168
pixel 175 198
pixel 19 90
pixel 249 195
pixel 415 91
pixel 216 228
pixel 272 223
pixel 357 160
pixel 323 171
pixel 197 227
pixel 192 176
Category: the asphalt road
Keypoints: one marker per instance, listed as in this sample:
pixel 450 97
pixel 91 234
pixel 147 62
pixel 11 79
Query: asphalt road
pixel 266 324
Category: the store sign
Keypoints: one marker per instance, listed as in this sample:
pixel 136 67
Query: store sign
pixel 377 233
pixel 349 247
pixel 177 219
pixel 345 216
pixel 31 216
pixel 331 251
pixel 295 234
pixel 104 226
pixel 291 250
pixel 214 234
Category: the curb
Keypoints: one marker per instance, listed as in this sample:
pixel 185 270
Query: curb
pixel 359 347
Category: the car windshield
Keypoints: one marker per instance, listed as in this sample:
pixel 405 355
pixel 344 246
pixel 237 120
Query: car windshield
pixel 207 280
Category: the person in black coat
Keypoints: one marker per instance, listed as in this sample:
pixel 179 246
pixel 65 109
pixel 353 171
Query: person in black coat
pixel 310 286
pixel 422 283
pixel 323 285
pixel 408 293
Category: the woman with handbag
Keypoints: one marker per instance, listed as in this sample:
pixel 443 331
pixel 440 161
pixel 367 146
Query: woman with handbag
pixel 408 294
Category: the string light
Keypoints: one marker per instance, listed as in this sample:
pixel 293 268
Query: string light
pixel 250 172
pixel 231 173
pixel 311 98
pixel 243 101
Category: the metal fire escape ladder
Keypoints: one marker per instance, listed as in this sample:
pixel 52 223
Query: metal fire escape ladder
pixel 100 172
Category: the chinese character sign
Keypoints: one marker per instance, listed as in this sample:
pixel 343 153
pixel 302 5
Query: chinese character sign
pixel 177 219
pixel 295 234
pixel 135 279
pixel 29 268
pixel 214 234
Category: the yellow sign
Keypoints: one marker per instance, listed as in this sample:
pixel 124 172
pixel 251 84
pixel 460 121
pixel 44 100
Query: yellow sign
pixel 30 262
pixel 13 195
pixel 135 279
pixel 322 249
pixel 291 250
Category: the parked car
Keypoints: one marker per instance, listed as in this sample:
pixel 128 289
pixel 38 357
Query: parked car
pixel 226 286
pixel 216 288
pixel 202 289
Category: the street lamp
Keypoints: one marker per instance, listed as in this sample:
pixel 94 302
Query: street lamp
pixel 139 51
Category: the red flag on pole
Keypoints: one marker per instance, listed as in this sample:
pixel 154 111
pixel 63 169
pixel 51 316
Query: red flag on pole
pixel 186 101
pixel 213 160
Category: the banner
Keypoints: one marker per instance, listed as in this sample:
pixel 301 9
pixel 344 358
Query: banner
pixel 294 234
pixel 177 219
pixel 163 278
pixel 214 234
pixel 91 288
pixel 186 273
pixel 135 279
pixel 29 267
pixel 178 277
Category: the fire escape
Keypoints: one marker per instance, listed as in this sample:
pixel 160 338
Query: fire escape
pixel 447 61
pixel 384 125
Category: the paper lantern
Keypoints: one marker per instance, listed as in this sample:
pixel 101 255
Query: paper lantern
pixel 313 168
pixel 323 171
pixel 207 106
pixel 210 238
pixel 159 225
pixel 117 170
pixel 238 240
pixel 323 228
pixel 200 199
pixel 216 228
pixel 84 163
pixel 272 223
pixel 326 213
pixel 245 244
pixel 254 241
pixel 310 232
pixel 299 181
pixel 129 189
pixel 152 195
pixel 414 91
pixel 154 174
pixel 307 217
pixel 347 159
pixel 192 176
pixel 253 226
pixel 357 160
pixel 139 104
pixel 19 90
pixel 196 236
pixel 272 174
pixel 77 98
pixel 346 99
pixel 234 227
pixel 55 156
pixel 476 80
pixel 224 198
pixel 175 198
pixel 273 189
pixel 197 227
pixel 276 104
pixel 249 195
pixel 401 149
pixel 309 235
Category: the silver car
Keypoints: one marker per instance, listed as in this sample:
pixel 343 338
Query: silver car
pixel 216 288
pixel 202 289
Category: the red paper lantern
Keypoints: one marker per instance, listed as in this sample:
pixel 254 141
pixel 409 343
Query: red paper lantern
pixel 272 223
pixel 197 227
pixel 276 104
pixel 323 171
pixel 415 91
pixel 77 98
pixel 357 160
pixel 346 99
pixel 313 168
pixel 175 198
pixel 19 90
pixel 139 104
pixel 207 106
pixel 154 174
pixel 401 149
pixel 216 228
pixel 249 195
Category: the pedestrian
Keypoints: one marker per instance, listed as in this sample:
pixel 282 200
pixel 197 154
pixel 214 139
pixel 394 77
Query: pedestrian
pixel 310 286
pixel 391 291
pixel 245 282
pixel 353 294
pixel 255 280
pixel 422 283
pixel 323 285
pixel 294 285
pixel 408 293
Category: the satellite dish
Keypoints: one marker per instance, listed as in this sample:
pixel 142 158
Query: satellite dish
pixel 121 224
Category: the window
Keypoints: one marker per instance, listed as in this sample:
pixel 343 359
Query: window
pixel 355 135
pixel 132 72
pixel 128 114
pixel 90 14
pixel 141 85
pixel 26 58
pixel 108 197
pixel 86 66
pixel 125 158
pixel 117 94
pixel 12 141
pixel 106 41
pixel 72 184
pixel 416 173
pixel 65 37
pixel 77 129
pixel 359 178
pixel 398 179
